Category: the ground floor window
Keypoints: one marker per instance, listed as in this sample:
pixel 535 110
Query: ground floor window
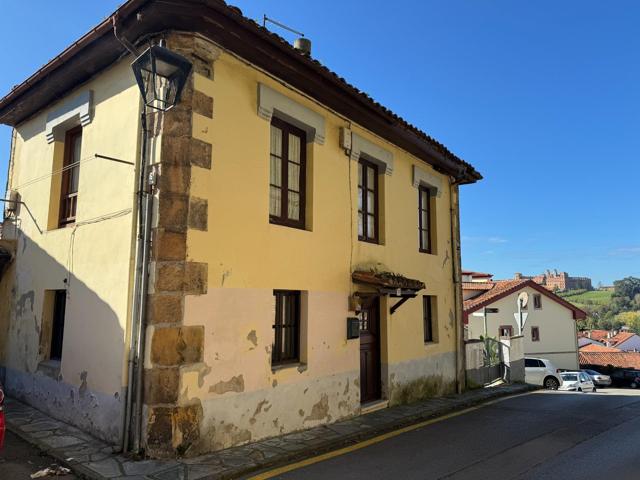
pixel 535 334
pixel 286 327
pixel 505 331
pixel 57 327
pixel 428 314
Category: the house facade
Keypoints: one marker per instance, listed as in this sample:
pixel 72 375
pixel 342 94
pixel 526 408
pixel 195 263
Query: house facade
pixel 303 241
pixel 550 326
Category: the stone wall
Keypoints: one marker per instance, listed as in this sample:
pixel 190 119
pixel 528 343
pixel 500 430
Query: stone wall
pixel 172 424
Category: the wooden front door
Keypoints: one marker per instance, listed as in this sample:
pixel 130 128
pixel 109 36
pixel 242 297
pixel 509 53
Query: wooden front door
pixel 370 352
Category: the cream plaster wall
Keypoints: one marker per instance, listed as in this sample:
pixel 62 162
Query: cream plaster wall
pixel 557 328
pixel 248 257
pixel 91 260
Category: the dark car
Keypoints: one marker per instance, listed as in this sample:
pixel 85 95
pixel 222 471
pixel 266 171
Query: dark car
pixel 599 379
pixel 2 427
pixel 626 378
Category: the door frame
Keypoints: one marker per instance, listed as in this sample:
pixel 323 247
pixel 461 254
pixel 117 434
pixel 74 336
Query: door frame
pixel 373 301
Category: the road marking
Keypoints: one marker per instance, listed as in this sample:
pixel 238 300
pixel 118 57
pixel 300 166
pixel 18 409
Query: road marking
pixel 374 440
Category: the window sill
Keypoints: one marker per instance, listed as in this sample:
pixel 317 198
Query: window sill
pixel 432 342
pixel 50 368
pixel 300 366
pixel 288 225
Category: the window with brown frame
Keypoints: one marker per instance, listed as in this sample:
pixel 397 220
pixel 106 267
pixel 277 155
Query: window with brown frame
pixel 535 334
pixel 505 331
pixel 427 315
pixel 424 219
pixel 287 175
pixel 537 301
pixel 70 176
pixel 286 327
pixel 367 201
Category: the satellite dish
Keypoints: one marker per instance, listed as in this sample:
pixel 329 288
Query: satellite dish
pixel 523 299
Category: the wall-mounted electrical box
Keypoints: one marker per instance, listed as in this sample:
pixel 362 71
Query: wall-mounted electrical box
pixel 353 328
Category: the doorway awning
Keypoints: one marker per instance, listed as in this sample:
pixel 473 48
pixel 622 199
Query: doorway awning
pixel 391 284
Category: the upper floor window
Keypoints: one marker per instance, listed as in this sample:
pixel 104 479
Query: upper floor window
pixel 70 176
pixel 367 201
pixel 424 219
pixel 288 175
pixel 537 301
pixel 286 327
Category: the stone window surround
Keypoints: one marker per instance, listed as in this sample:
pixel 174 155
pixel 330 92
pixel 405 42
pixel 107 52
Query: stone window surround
pixel 272 103
pixel 76 111
pixel 423 178
pixel 363 148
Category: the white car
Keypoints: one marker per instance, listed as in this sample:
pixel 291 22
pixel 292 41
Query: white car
pixel 576 382
pixel 540 371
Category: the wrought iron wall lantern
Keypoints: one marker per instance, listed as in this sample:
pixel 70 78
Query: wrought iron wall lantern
pixel 161 75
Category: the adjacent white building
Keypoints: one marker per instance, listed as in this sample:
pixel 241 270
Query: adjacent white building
pixel 550 327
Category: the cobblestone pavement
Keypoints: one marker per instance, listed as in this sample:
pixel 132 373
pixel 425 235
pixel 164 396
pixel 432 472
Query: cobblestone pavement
pixel 94 459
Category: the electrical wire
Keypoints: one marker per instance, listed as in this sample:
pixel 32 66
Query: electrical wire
pixel 55 172
pixel 72 239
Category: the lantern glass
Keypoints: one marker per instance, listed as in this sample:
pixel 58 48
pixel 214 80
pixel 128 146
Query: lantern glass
pixel 161 76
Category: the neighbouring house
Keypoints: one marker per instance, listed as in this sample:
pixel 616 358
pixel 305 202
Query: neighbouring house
pixel 301 240
pixel 625 341
pixel 469 276
pixel 594 336
pixel 550 328
pixel 622 340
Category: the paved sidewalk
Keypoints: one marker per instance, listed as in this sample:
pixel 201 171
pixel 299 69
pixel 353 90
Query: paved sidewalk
pixel 93 459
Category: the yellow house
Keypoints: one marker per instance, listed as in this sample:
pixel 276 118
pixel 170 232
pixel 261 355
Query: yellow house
pixel 275 252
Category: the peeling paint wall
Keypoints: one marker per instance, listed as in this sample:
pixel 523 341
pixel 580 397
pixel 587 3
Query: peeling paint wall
pixel 90 259
pixel 243 399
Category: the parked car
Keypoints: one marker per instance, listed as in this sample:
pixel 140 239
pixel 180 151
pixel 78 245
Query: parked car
pixel 598 379
pixel 541 371
pixel 576 382
pixel 626 378
pixel 2 426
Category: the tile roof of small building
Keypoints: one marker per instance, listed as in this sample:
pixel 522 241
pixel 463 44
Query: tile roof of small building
pixel 614 359
pixel 597 335
pixel 594 347
pixel 621 338
pixel 477 285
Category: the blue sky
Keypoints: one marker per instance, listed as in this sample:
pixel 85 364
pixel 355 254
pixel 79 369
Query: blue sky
pixel 543 98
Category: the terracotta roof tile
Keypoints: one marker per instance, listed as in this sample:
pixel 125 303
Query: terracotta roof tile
pixel 592 347
pixel 500 287
pixel 620 338
pixel 477 285
pixel 615 359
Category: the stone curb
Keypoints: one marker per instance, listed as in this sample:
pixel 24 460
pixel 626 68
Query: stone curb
pixel 438 407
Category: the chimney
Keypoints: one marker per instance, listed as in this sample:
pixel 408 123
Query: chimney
pixel 517 276
pixel 303 45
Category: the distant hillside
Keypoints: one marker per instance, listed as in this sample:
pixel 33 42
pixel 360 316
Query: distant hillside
pixel 582 298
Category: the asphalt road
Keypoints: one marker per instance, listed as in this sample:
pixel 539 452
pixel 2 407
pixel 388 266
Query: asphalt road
pixel 544 435
pixel 19 459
